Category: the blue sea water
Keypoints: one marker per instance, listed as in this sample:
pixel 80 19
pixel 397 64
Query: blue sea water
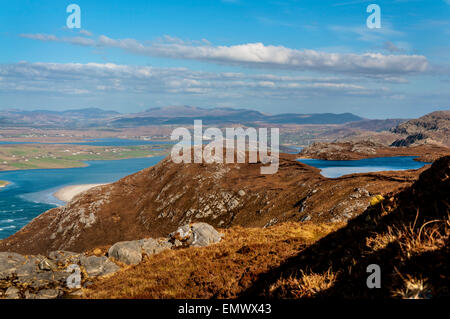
pixel 31 191
pixel 334 169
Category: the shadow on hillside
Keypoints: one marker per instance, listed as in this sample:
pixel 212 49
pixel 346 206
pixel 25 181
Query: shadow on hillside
pixel 348 251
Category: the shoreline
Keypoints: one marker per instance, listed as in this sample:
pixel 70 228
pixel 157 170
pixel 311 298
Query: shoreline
pixel 85 163
pixel 3 184
pixel 66 194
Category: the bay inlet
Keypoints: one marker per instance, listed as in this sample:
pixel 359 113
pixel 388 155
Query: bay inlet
pixel 31 192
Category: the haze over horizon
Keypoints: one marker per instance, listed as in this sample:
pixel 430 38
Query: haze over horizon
pixel 170 109
pixel 274 57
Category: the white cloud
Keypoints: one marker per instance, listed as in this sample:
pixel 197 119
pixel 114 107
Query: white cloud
pixel 83 41
pixel 94 78
pixel 260 55
pixel 86 33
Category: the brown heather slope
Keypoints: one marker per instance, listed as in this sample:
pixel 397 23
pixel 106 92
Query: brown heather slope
pixel 407 235
pixel 157 200
pixel 290 260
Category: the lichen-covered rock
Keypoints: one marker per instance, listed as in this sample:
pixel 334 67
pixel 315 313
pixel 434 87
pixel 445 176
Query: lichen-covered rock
pixel 204 235
pixel 40 277
pixel 46 264
pixel 28 268
pixel 182 234
pixel 41 280
pixel 196 235
pixel 45 277
pixel 64 257
pixel 48 294
pixel 128 252
pixel 12 293
pixel 154 246
pixel 98 266
pixel 9 262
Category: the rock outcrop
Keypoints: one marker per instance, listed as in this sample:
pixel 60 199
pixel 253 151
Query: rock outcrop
pixel 195 235
pixel 46 277
pixel 128 252
pixel 433 128
pixel 49 277
pixel 343 151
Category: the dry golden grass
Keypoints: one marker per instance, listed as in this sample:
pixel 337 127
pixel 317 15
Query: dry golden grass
pixel 416 252
pixel 307 285
pixel 218 271
pixel 431 237
pixel 415 288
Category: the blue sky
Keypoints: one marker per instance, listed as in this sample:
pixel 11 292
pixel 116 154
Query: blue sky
pixel 274 56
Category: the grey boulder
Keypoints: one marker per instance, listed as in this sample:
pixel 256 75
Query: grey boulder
pixel 98 266
pixel 204 235
pixel 64 257
pixel 12 293
pixel 154 246
pixel 196 235
pixel 9 262
pixel 128 252
pixel 48 294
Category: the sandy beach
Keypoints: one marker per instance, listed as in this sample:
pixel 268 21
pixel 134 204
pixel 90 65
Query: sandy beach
pixel 67 193
pixel 3 184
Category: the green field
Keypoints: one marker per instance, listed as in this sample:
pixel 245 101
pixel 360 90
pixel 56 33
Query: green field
pixel 32 156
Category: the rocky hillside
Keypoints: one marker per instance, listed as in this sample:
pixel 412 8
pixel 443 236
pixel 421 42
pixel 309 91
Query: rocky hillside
pixel 355 150
pixel 406 234
pixel 433 128
pixel 153 202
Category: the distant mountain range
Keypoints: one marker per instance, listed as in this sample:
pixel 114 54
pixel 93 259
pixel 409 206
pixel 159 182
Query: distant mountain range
pixel 55 119
pixel 186 115
pixel 171 115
